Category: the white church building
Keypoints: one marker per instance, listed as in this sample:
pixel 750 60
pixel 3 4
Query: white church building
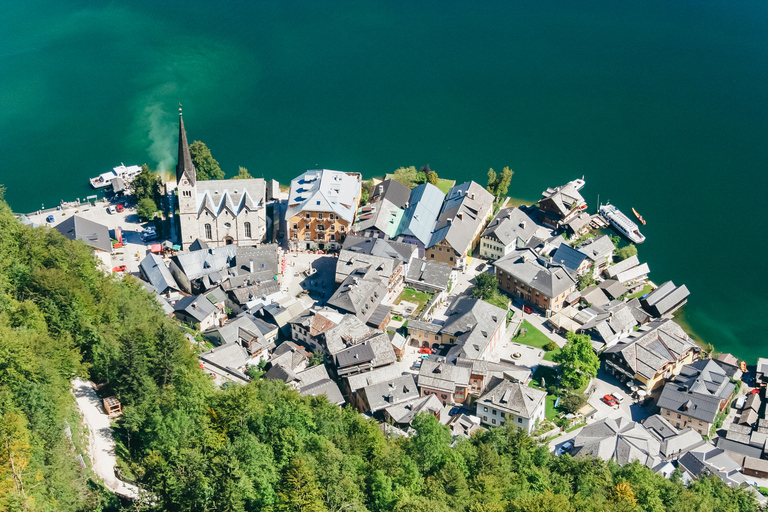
pixel 218 212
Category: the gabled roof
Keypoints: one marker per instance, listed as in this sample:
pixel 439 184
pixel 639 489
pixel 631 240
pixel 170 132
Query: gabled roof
pixel 514 397
pixel 621 266
pixel 91 233
pixel 229 331
pixel 509 225
pixel 361 380
pixel 350 331
pixel 386 394
pixel 404 412
pixel 633 274
pixel 354 355
pixel 379 247
pixel 421 215
pixel 184 165
pixel 360 294
pixel 385 208
pixel 323 190
pixel 598 248
pixel 465 209
pixel 698 391
pixel 666 298
pixel 473 322
pixel 196 306
pixel 568 257
pixel 230 355
pixel 523 265
pixel 653 346
pixel 218 196
pixel 349 262
pixel 565 198
pixel 154 270
pixel 430 274
pixel 443 376
pixel 619 439
pixel 195 264
pixel 393 191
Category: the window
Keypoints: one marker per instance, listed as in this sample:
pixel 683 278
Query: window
pixel 307 235
pixel 493 421
pixel 432 255
pixel 187 193
pixel 333 227
pixel 331 216
pixel 485 409
pixel 320 215
pixel 321 227
pixel 333 238
pixel 451 258
pixel 494 412
pixel 247 227
pixel 678 416
pixel 669 413
pixel 295 225
pixel 306 215
pixel 437 337
pixel 208 231
pixel 519 420
pixel 440 249
pixel 444 396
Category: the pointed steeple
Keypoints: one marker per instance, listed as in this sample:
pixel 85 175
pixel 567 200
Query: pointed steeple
pixel 184 164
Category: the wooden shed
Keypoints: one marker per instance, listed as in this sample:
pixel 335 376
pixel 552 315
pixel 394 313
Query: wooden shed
pixel 112 405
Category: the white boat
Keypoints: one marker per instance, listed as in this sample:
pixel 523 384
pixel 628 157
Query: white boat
pixel 127 174
pixel 622 223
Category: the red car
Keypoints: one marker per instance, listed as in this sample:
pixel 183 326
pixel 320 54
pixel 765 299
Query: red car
pixel 756 390
pixel 121 268
pixel 120 208
pixel 425 350
pixel 527 309
pixel 608 399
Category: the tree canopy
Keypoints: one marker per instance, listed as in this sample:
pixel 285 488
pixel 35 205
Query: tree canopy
pixel 146 186
pixel 498 184
pixel 487 288
pixel 578 361
pixel 242 174
pixel 146 209
pixel 206 167
pixel 625 252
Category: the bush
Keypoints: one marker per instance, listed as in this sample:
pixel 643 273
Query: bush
pixel 146 209
pixel 572 402
pixel 549 347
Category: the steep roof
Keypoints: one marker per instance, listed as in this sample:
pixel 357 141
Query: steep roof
pixel 665 298
pixel 563 199
pixel 421 215
pixel 184 165
pixel 155 271
pixel 619 439
pixel 360 294
pixel 653 346
pixel 597 248
pixel 621 266
pixel 523 265
pixel 218 196
pixel 473 322
pixel 230 355
pixel 429 274
pixel 466 207
pixel 379 247
pixel 385 208
pixel 698 391
pixel 510 224
pixel 91 233
pixel 195 264
pixel 514 397
pixel 393 191
pixel 443 376
pixel 386 394
pixel 196 306
pixel 324 190
pixel 568 257
pixel 404 412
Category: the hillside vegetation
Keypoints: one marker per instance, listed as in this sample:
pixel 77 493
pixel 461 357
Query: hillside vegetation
pixel 258 447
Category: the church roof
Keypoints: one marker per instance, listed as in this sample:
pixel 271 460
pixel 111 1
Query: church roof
pixel 184 164
pixel 216 196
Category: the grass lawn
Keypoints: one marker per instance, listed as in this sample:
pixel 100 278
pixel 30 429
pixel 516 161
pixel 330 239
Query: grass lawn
pixel 549 407
pixel 646 289
pixel 411 295
pixel 535 338
pixel 445 185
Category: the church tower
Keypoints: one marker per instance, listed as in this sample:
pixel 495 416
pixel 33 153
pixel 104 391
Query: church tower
pixel 186 189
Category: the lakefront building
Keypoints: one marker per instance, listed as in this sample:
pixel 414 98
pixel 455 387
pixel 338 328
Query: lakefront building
pixel 218 212
pixel 321 208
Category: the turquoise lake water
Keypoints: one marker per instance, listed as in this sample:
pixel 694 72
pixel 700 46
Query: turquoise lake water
pixel 660 105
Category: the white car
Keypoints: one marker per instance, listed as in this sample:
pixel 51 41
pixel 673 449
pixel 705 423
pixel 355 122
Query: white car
pixel 564 448
pixel 618 396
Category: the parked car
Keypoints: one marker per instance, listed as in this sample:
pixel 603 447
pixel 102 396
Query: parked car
pixel 617 396
pixel 608 399
pixel 481 267
pixel 120 208
pixel 111 209
pixel 417 365
pixel 425 356
pixel 49 218
pixel 527 309
pixel 454 411
pixel 564 448
pixel 425 350
pixel 121 268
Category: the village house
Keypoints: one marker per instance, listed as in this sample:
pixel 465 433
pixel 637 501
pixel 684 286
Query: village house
pixel 377 397
pixel 281 313
pixel 321 208
pixel 657 351
pixel 94 235
pixel 362 294
pixel 220 212
pixel 511 402
pixel 696 395
pixel 154 270
pixel 310 324
pixel 430 277
pixel 381 217
pixel 402 414
pixel 228 332
pixel 561 204
pixel 575 261
pixel 510 229
pixel 201 311
pixel 312 381
pixel 539 283
pixel 351 384
pixel 458 228
pixel 387 258
pixel 665 300
pixel 599 252
pixel 448 382
pixel 418 221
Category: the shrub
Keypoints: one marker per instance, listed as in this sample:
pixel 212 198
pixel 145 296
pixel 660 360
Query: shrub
pixel 549 347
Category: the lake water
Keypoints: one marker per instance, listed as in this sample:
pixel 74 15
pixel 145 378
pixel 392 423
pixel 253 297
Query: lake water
pixel 660 105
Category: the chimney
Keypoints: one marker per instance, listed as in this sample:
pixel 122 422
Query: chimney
pixel 194 305
pixel 522 224
pixel 460 215
pixel 251 265
pixel 450 221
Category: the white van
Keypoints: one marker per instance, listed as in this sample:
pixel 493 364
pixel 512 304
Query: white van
pixel 618 396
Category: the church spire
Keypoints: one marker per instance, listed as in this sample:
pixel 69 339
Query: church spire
pixel 184 164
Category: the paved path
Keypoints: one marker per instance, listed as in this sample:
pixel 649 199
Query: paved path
pixel 102 444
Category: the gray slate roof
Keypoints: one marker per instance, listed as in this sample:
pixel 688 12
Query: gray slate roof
pixel 514 398
pixel 473 322
pixel 465 209
pixel 91 233
pixel 421 215
pixel 653 346
pixel 195 264
pixel 386 394
pixel 429 274
pixel 230 355
pixel 598 249
pixel 360 294
pixel 509 225
pixel 563 199
pixel 568 257
pixel 443 376
pixel 315 381
pixel 217 196
pixel 379 247
pixel 155 271
pixel 698 391
pixel 619 439
pixel 229 331
pixel 524 266
pixel 621 266
pixel 665 298
pixel 196 306
pixel 404 412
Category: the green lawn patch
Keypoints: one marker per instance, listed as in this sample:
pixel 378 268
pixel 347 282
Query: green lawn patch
pixel 549 407
pixel 534 338
pixel 445 185
pixel 646 289
pixel 412 295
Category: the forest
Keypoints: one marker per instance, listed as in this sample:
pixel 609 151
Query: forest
pixel 256 447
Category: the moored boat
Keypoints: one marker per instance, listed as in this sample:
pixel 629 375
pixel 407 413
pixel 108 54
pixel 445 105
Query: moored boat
pixel 127 174
pixel 621 223
pixel 639 217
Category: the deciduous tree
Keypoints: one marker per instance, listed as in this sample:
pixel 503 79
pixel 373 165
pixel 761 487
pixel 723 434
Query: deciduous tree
pixel 206 167
pixel 578 361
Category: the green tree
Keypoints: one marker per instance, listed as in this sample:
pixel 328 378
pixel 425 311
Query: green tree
pixel 432 178
pixel 408 176
pixel 486 285
pixel 585 281
pixel 146 185
pixel 316 358
pixel 206 167
pixel 242 174
pixel 498 184
pixel 625 252
pixel 366 190
pixel 430 446
pixel 146 209
pixel 491 187
pixel 578 361
pixel 299 491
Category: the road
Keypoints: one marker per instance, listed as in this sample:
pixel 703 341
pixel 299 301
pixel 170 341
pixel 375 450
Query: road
pixel 102 444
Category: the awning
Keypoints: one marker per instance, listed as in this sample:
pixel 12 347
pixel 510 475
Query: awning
pixel 155 248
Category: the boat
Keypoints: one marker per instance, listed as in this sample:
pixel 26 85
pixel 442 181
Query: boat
pixel 621 223
pixel 639 217
pixel 127 174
